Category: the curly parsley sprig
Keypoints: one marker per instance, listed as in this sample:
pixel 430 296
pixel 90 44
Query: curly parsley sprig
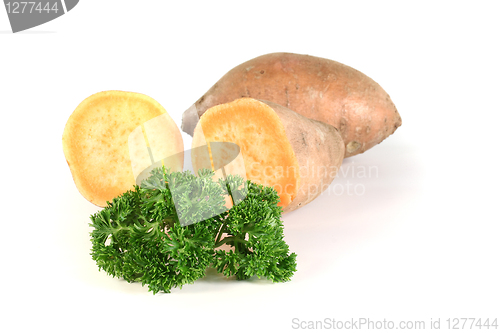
pixel 166 232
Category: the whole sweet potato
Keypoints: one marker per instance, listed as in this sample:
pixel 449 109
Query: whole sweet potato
pixel 317 88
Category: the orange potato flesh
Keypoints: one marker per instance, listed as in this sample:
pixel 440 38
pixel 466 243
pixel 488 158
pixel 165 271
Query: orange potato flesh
pixel 259 133
pixel 96 147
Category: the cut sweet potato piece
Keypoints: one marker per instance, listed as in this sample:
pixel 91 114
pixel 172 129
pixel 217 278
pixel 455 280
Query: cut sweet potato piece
pixel 298 156
pixel 96 142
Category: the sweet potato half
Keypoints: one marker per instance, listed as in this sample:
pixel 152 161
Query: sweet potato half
pixel 103 156
pixel 317 88
pixel 296 155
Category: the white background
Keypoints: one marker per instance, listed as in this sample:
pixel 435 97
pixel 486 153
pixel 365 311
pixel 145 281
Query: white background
pixel 421 242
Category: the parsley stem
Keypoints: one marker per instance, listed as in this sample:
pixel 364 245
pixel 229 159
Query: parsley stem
pixel 230 239
pixel 221 231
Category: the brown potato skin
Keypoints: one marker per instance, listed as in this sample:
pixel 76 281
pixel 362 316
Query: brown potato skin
pixel 314 87
pixel 319 150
